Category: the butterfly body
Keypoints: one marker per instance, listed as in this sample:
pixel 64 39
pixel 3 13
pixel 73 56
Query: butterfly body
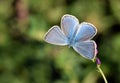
pixel 74 35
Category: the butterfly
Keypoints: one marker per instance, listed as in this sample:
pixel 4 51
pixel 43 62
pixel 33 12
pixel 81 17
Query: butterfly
pixel 74 35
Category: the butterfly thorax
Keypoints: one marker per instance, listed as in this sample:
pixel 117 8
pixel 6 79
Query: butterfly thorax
pixel 71 41
pixel 72 38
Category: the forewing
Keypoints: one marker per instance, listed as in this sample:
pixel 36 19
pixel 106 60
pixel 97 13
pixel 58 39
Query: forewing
pixel 86 31
pixel 55 36
pixel 86 49
pixel 69 25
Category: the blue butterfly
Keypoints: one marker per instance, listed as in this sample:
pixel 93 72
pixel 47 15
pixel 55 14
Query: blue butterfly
pixel 74 35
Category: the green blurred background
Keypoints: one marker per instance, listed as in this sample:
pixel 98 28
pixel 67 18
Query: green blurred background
pixel 26 58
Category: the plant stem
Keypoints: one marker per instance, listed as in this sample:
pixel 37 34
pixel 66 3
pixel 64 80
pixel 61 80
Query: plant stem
pixel 101 72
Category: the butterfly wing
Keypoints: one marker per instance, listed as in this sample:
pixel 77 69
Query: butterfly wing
pixel 86 31
pixel 69 25
pixel 86 49
pixel 55 36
